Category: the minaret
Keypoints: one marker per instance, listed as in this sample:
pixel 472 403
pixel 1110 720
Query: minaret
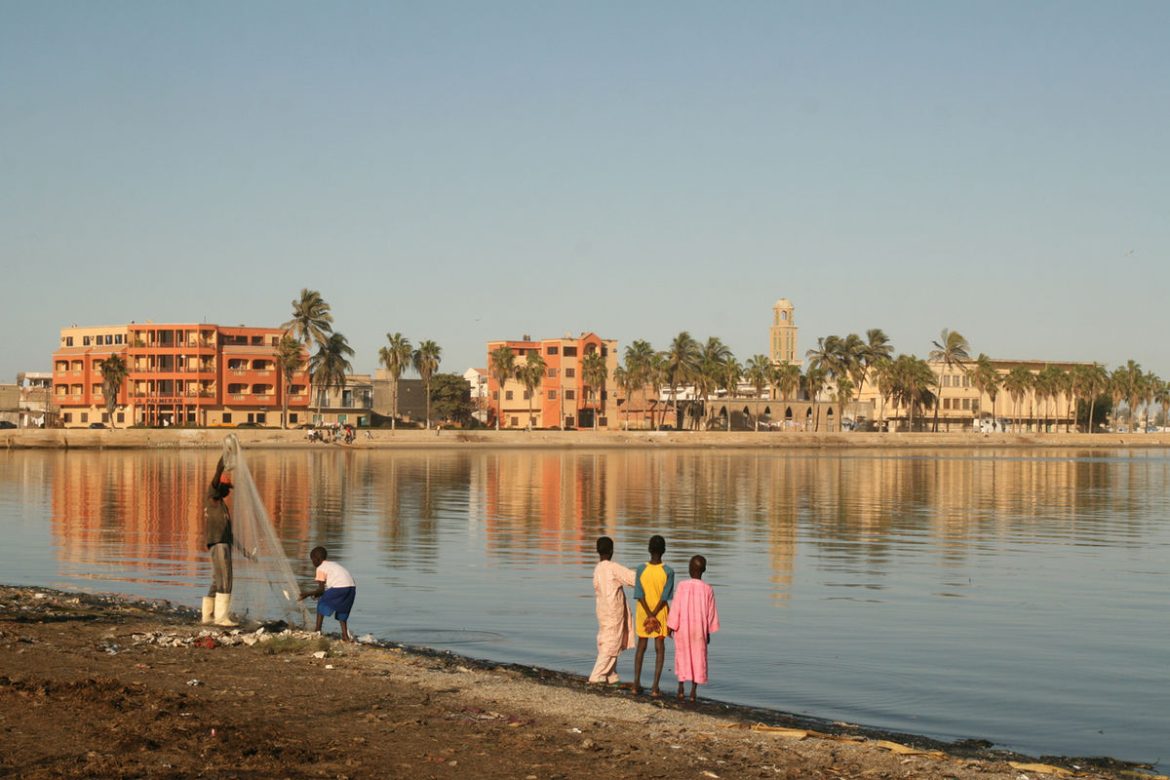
pixel 783 342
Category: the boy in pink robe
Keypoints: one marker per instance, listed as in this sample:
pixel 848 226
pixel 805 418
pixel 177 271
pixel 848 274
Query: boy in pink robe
pixel 614 623
pixel 693 619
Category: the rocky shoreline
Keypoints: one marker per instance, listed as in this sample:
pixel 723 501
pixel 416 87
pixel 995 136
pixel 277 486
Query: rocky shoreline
pixel 98 685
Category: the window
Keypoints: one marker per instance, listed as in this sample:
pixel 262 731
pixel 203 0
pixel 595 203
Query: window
pixel 69 341
pixel 552 395
pixel 604 394
pixel 117 338
pixel 85 417
pixel 68 417
pixel 508 395
pixel 515 423
pixel 121 417
pixel 527 395
pixel 227 417
pixel 570 395
pixel 570 352
pixel 570 373
pixel 105 416
pixel 109 339
pixel 552 373
pixel 966 403
pixel 552 351
pixel 86 341
pixel 292 418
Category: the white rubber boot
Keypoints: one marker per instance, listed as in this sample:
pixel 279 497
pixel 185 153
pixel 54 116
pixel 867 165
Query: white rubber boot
pixel 208 609
pixel 223 605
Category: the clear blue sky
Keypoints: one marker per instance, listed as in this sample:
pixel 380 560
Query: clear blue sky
pixel 472 171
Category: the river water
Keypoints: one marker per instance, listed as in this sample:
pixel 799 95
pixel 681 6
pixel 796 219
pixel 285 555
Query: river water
pixel 1017 596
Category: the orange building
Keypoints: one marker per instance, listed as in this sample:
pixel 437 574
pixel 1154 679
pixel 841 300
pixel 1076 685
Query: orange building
pixel 178 374
pixel 563 399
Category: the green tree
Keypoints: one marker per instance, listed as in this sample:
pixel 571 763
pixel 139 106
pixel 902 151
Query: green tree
pixel 311 325
pixel 1017 384
pixel 729 381
pixel 425 360
pixel 531 375
pixel 503 366
pixel 986 380
pixel 681 364
pixel 451 399
pixel 114 373
pixel 877 350
pixel 329 367
pixel 641 371
pixel 815 380
pixel 395 356
pixel 950 350
pixel 1092 381
pixel 759 373
pixel 594 373
pixel 290 358
pixel 709 376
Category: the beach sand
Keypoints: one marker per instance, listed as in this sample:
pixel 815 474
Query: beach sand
pixel 100 686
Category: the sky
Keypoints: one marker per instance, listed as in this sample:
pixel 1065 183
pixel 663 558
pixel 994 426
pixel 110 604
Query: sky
pixel 468 171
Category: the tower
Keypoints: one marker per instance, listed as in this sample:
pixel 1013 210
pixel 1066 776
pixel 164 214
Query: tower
pixel 783 333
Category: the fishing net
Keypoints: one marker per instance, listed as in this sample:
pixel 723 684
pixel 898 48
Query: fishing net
pixel 264 588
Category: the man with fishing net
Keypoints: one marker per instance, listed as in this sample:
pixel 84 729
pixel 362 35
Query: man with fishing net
pixel 217 524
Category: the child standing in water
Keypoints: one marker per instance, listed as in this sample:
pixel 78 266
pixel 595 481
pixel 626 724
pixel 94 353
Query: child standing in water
pixel 653 588
pixel 335 590
pixel 693 618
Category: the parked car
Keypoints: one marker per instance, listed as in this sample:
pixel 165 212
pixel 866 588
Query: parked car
pixel 97 426
pixel 7 424
pixel 249 425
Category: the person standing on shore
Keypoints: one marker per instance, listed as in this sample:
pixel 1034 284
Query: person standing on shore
pixel 335 591
pixel 653 584
pixel 614 630
pixel 217 524
pixel 693 619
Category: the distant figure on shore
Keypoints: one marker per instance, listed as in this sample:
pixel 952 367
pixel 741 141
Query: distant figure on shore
pixel 693 619
pixel 335 591
pixel 653 584
pixel 614 621
pixel 217 524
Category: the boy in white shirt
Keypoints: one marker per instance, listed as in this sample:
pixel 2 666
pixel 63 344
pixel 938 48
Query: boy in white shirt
pixel 335 590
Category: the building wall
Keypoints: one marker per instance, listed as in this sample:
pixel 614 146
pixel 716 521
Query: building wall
pixel 562 398
pixel 782 335
pixel 178 374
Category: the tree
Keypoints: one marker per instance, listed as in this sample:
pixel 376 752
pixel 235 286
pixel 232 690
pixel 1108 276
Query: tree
pixel 985 379
pixel 640 372
pixel 814 382
pixel 877 350
pixel 395 356
pixel 951 350
pixel 330 365
pixel 1091 382
pixel 451 399
pixel 759 373
pixel 1017 384
pixel 503 366
pixel 732 373
pixel 425 361
pixel 681 364
pixel 531 375
pixel 290 358
pixel 114 373
pixel 311 324
pixel 713 356
pixel 594 373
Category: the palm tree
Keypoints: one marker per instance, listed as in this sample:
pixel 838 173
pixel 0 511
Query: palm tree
pixel 877 350
pixel 729 380
pixel 329 366
pixel 1150 384
pixel 951 350
pixel 710 374
pixel 1017 384
pixel 114 373
pixel 639 367
pixel 311 324
pixel 594 373
pixel 1162 399
pixel 395 356
pixel 759 372
pixel 814 382
pixel 290 358
pixel 425 361
pixel 986 380
pixel 622 379
pixel 912 379
pixel 503 365
pixel 1093 381
pixel 531 375
pixel 681 365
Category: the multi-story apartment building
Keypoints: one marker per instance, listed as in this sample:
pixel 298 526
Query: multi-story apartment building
pixel 563 399
pixel 178 374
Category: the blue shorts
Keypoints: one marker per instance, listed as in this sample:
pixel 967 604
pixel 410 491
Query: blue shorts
pixel 336 601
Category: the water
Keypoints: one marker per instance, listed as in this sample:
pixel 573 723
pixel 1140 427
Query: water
pixel 1020 597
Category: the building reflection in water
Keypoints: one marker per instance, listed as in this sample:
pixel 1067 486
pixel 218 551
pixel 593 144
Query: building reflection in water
pixel 854 512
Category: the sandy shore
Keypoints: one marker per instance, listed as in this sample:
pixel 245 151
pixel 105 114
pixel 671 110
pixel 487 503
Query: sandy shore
pixel 166 438
pixel 99 686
